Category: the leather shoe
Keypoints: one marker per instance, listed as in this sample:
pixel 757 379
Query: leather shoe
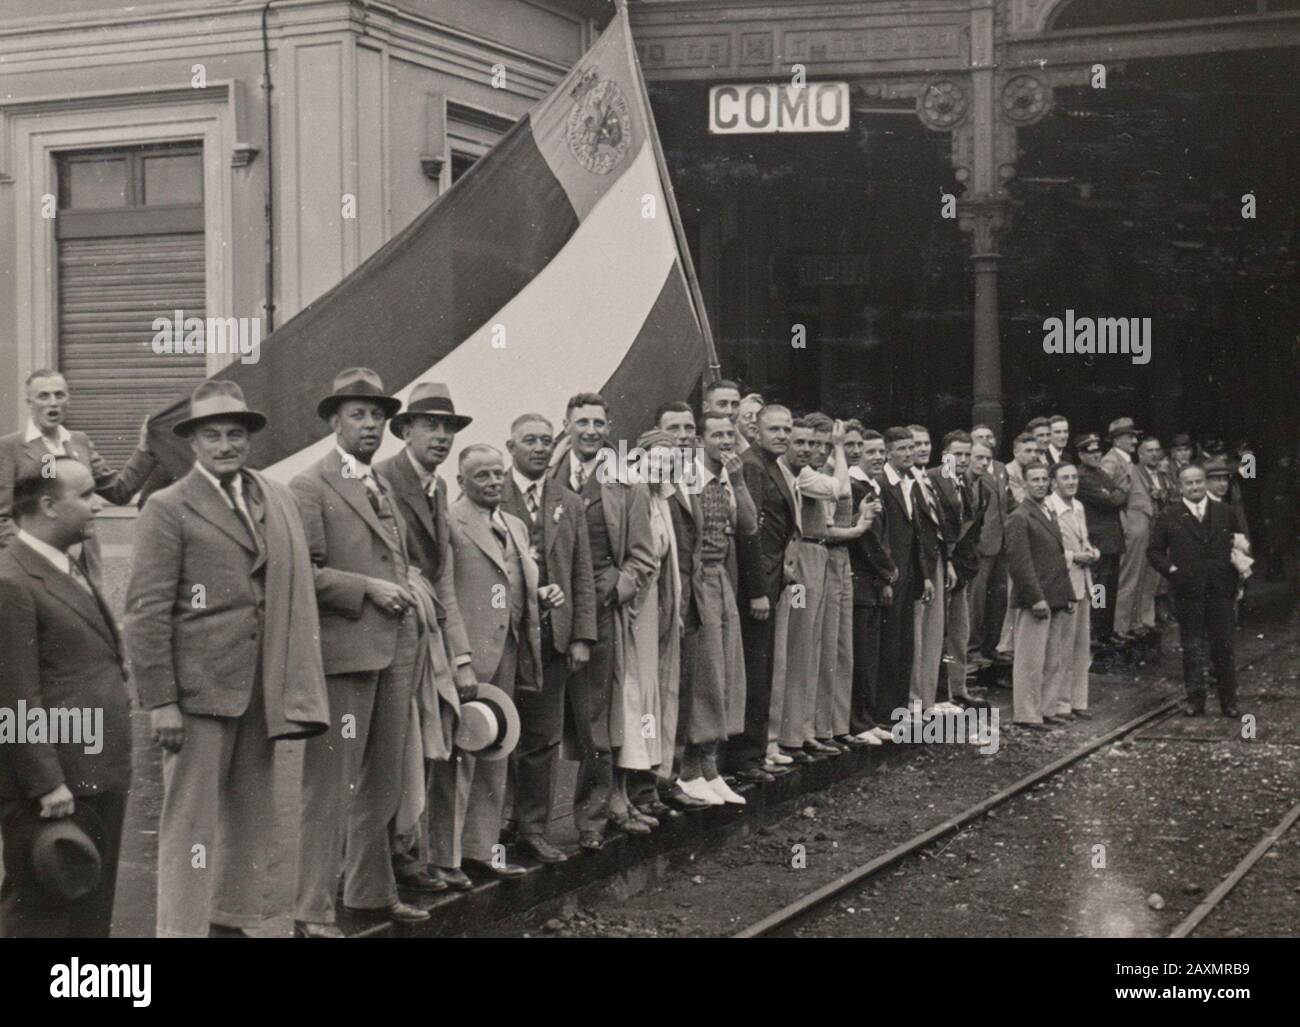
pixel 636 813
pixel 655 808
pixel 969 701
pixel 817 748
pixel 1030 726
pixel 422 883
pixel 541 849
pixel 758 775
pixel 1230 710
pixel 399 912
pixel 852 741
pixel 628 824
pixel 507 870
pixel 1082 715
pixel 455 878
pixel 685 802
pixel 592 841
pixel 796 755
pixel 1192 709
pixel 308 930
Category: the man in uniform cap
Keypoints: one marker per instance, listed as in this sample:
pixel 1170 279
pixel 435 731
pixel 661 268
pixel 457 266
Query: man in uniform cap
pixel 352 774
pixel 221 631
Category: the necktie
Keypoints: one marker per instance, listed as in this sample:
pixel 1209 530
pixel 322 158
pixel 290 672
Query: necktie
pixel 579 478
pixel 500 533
pixel 373 492
pixel 961 498
pixel 228 487
pixel 530 501
pixel 77 575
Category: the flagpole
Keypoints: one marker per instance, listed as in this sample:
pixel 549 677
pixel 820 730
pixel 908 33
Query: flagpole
pixel 714 371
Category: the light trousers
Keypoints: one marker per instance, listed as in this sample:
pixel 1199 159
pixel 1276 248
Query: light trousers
pixel 1071 688
pixel 928 638
pixel 1034 674
pixel 835 675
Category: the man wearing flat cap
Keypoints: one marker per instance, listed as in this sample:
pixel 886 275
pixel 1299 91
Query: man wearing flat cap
pixel 352 774
pixel 60 654
pixel 221 632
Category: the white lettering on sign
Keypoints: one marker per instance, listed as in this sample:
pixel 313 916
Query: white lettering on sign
pixel 761 107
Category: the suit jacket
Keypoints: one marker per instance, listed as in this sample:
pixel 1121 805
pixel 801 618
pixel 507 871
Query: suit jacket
pixel 428 543
pixel 901 541
pixel 1119 469
pixel 1074 535
pixel 18 457
pixel 1036 559
pixel 961 522
pixel 1102 501
pixel 59 650
pixel 567 558
pixel 480 578
pixel 1141 500
pixel 929 531
pixel 1015 485
pixel 190 545
pixel 688 528
pixel 1065 455
pixel 1198 552
pixel 994 487
pixel 869 559
pixel 762 555
pixel 349 545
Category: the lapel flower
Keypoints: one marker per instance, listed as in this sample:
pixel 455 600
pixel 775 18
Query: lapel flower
pixel 559 512
pixel 532 551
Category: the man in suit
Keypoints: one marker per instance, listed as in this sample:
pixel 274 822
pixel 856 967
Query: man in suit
pixel 502 598
pixel 556 523
pixel 617 518
pixel 874 575
pixel 1135 606
pixel 59 654
pixel 1118 461
pixel 988 592
pixel 218 637
pixel 1058 446
pixel 1191 545
pixel 1102 502
pixel 762 580
pixel 706 521
pixel 1181 451
pixel 1042 597
pixel 428 427
pixel 1071 688
pixel 352 774
pixel 45 438
pixel 1041 429
pixel 961 513
pixel 912 585
pixel 928 629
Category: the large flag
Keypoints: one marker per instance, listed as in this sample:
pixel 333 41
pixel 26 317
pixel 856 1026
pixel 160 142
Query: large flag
pixel 554 266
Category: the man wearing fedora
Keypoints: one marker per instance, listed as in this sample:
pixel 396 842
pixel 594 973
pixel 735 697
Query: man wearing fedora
pixel 557 529
pixel 428 427
pixel 352 774
pixel 47 437
pixel 62 799
pixel 1102 502
pixel 221 633
pixel 1135 606
pixel 502 598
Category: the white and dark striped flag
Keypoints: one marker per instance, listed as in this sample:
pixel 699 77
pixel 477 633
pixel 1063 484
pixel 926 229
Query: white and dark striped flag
pixel 555 265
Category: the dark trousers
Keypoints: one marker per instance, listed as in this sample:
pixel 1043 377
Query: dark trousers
pixel 1205 628
pixel 988 604
pixel 26 909
pixel 896 644
pixel 866 668
pixel 1105 572
pixel 536 760
pixel 749 748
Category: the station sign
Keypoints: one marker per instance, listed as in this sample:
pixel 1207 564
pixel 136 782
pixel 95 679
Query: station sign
pixel 763 107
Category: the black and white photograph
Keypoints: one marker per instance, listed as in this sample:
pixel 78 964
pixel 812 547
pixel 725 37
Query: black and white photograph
pixel 489 472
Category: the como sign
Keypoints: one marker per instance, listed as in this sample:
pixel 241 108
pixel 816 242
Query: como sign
pixel 765 108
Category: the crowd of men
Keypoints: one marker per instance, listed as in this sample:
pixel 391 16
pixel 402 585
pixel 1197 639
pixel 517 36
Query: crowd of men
pixel 753 590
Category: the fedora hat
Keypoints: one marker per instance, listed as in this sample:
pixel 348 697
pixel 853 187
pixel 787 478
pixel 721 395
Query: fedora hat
pixel 64 853
pixel 219 398
pixel 1122 426
pixel 358 383
pixel 488 727
pixel 434 400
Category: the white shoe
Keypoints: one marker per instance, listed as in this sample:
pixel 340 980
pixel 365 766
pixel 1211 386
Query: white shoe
pixel 779 758
pixel 946 707
pixel 868 737
pixel 698 788
pixel 883 733
pixel 723 791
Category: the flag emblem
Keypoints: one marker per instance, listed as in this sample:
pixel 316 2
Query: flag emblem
pixel 600 126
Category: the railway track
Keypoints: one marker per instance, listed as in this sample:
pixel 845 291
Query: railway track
pixel 790 916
